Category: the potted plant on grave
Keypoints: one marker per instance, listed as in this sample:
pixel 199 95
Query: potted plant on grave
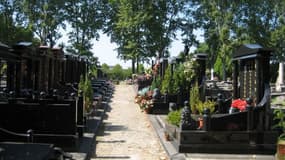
pixel 194 98
pixel 172 126
pixel 201 106
pixel 197 106
pixel 279 116
pixel 87 91
pixel 168 86
pixel 181 83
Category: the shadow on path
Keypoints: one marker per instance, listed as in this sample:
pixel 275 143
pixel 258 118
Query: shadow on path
pixel 113 157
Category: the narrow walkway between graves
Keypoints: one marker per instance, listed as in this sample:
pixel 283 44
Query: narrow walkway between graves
pixel 126 133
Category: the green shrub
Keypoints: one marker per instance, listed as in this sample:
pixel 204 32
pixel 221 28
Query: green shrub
pixel 279 117
pixel 170 83
pixel 86 87
pixel 166 81
pixel 194 98
pixel 174 117
pixel 201 106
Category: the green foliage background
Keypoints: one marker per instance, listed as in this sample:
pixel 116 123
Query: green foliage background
pixel 116 72
pixel 145 29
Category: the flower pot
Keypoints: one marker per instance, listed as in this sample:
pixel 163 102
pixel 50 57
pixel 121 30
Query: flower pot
pixel 167 136
pixel 200 123
pixel 281 147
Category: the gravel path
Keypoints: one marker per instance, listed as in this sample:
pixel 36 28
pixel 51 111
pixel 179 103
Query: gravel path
pixel 127 133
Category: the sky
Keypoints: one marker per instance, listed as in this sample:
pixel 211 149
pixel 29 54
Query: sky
pixel 106 53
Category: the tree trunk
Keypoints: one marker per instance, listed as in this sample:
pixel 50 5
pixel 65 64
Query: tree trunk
pixel 138 64
pixel 133 66
pixel 224 71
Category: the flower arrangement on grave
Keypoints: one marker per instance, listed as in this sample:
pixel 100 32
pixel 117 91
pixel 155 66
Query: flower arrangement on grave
pixel 144 99
pixel 190 66
pixel 239 104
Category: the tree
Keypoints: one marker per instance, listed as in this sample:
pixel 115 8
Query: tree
pixel 228 24
pixel 127 30
pixel 11 31
pixel 142 28
pixel 117 72
pixel 187 23
pixel 44 18
pixel 85 19
pixel 278 34
pixel 218 18
pixel 105 68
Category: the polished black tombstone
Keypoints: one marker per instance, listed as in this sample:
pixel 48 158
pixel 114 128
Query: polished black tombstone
pixel 8 77
pixel 55 115
pixel 251 71
pixel 45 71
pixel 248 131
pixel 70 68
pixel 201 58
pixel 58 69
pixel 27 70
pixel 163 65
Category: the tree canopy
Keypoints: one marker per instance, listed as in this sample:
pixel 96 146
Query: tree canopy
pixel 144 29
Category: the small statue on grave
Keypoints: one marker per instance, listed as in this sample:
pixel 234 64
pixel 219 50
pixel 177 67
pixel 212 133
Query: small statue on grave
pixel 187 122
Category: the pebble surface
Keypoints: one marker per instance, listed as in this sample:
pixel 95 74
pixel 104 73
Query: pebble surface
pixel 127 133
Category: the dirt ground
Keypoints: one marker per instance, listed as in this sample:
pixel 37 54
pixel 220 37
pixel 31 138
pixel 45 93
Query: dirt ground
pixel 126 132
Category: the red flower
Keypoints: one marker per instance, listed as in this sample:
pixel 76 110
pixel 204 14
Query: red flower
pixel 239 104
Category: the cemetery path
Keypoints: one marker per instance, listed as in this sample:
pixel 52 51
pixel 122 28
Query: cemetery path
pixel 127 133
